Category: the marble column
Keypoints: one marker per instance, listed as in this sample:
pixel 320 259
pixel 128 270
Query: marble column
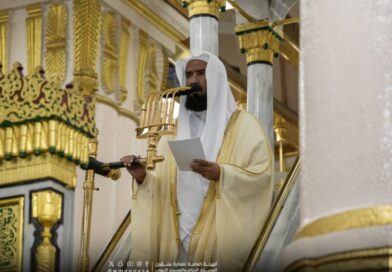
pixel 204 34
pixel 346 138
pixel 203 28
pixel 260 44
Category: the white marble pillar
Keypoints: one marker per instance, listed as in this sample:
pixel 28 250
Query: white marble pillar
pixel 346 136
pixel 260 44
pixel 259 74
pixel 260 96
pixel 204 33
pixel 203 24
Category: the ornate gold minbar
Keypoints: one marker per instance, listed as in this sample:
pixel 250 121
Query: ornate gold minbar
pixel 259 41
pixel 44 130
pixel 47 209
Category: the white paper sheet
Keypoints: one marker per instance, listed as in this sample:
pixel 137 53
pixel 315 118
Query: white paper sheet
pixel 185 151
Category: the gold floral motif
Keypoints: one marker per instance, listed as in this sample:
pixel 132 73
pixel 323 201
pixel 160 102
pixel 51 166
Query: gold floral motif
pixel 34 36
pixel 142 63
pixel 11 233
pixel 165 69
pixel 56 29
pixel 110 54
pixel 87 20
pixel 151 71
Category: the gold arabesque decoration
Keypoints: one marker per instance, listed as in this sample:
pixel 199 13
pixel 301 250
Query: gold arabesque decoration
pixel 151 72
pixel 11 233
pixel 123 59
pixel 87 21
pixel 110 54
pixel 47 209
pixel 165 70
pixel 152 69
pixel 3 39
pixel 142 62
pixel 56 29
pixel 34 36
pixel 38 118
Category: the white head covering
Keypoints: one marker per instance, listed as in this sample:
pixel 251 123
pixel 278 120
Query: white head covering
pixel 220 104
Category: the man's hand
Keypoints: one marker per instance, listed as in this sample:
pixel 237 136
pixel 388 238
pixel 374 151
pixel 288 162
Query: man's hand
pixel 208 170
pixel 137 172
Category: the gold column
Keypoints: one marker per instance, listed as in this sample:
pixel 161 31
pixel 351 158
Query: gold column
pixel 123 60
pixel 46 208
pixel 88 186
pixel 3 40
pixel 258 41
pixel 56 29
pixel 204 7
pixel 34 36
pixel 87 21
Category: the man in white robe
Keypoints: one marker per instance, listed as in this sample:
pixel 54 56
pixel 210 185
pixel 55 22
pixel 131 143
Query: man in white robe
pixel 216 212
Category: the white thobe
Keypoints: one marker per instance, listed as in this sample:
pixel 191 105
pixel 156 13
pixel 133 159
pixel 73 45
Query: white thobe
pixel 191 188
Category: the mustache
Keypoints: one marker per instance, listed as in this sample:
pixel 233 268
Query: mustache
pixel 195 88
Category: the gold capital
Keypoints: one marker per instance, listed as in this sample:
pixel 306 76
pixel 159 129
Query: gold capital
pixel 204 7
pixel 258 41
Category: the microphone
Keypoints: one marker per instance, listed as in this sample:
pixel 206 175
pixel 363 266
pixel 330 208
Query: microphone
pixel 103 169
